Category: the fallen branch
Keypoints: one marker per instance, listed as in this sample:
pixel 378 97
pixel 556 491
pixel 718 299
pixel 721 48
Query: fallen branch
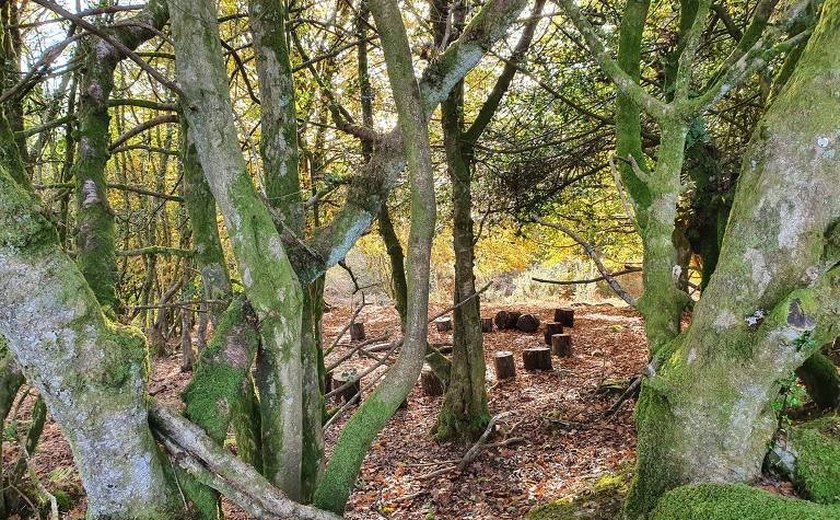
pixel 358 348
pixel 472 453
pixel 194 451
pixel 624 397
pixel 462 302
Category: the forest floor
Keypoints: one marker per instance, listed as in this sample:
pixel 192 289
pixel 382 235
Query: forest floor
pixel 554 442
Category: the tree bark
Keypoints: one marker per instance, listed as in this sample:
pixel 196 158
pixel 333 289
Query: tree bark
pixel 773 300
pixel 89 372
pixel 269 278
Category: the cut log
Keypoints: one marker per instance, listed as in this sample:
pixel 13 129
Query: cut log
pixel 429 382
pixel 561 345
pixel 486 324
pixel 443 324
pixel 552 329
pixel 506 319
pixel 357 331
pixel 353 389
pixel 565 316
pixel 537 358
pixel 528 323
pixel 505 369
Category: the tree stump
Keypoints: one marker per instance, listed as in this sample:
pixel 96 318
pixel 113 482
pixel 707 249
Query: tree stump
pixel 565 316
pixel 505 369
pixel 357 331
pixel 552 329
pixel 537 358
pixel 429 382
pixel 486 324
pixel 561 345
pixel 506 319
pixel 352 392
pixel 443 324
pixel 328 381
pixel 528 323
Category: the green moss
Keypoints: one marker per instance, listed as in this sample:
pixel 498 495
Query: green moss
pixel 21 224
pixel 817 474
pixel 603 502
pixel 350 451
pixel 736 502
pixel 657 470
pixel 221 392
pixel 217 382
pixel 126 353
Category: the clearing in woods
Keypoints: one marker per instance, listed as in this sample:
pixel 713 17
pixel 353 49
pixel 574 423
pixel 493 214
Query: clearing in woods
pixel 555 442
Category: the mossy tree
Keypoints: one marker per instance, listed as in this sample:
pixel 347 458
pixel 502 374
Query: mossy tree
pixel 95 241
pixel 773 296
pixel 277 262
pixel 464 413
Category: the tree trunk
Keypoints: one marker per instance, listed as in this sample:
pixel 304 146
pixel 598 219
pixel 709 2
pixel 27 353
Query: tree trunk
pixel 368 421
pixel 270 281
pixel 89 372
pixel 773 300
pixel 95 239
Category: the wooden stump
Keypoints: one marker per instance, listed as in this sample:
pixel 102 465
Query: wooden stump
pixel 561 345
pixel 537 358
pixel 357 331
pixel 528 323
pixel 353 391
pixel 486 324
pixel 505 369
pixel 443 324
pixel 506 319
pixel 552 329
pixel 565 316
pixel 429 382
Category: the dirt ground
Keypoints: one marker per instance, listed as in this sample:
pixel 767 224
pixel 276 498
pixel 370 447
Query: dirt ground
pixel 553 443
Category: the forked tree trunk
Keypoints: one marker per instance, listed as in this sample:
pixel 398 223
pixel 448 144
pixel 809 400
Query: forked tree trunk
pixel 772 301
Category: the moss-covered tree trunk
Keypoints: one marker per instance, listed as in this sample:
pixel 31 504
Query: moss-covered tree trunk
pixel 271 284
pixel 773 300
pixel 281 180
pixel 95 242
pixel 201 208
pixel 463 414
pixel 91 373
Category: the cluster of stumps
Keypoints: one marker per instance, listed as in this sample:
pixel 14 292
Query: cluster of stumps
pixel 557 341
pixel 347 385
pixel 534 358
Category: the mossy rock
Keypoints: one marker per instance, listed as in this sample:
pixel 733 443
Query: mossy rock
pixel 817 446
pixel 736 502
pixel 603 502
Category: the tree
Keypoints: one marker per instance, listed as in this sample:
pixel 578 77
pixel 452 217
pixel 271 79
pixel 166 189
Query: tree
pixel 704 413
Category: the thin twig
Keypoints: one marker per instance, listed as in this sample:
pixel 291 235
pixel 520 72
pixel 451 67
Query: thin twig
pixel 462 302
